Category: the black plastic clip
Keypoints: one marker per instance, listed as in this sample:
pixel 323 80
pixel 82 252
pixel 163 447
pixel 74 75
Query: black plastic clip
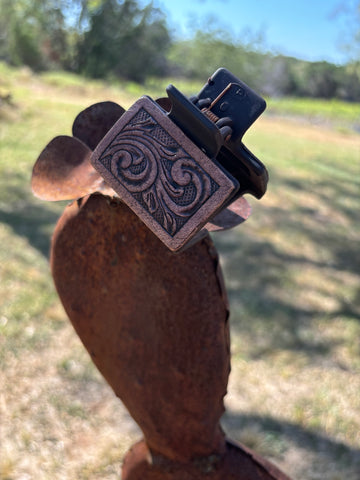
pixel 216 120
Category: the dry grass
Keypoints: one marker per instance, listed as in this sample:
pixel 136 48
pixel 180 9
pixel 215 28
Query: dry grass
pixel 59 419
pixel 292 273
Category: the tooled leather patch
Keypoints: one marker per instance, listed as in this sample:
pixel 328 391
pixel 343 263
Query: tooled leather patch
pixel 161 175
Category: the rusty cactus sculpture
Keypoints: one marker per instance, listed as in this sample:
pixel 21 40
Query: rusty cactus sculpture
pixel 155 322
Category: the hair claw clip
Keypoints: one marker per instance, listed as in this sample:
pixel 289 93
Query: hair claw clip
pixel 178 162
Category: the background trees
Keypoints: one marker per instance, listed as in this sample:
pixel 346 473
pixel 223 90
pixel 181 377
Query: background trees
pixel 34 33
pixel 120 38
pixel 124 40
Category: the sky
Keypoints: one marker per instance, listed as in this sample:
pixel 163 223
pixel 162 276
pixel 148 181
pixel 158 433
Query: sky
pixel 313 30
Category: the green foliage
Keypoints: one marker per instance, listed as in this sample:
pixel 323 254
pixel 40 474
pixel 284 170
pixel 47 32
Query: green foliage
pixel 314 79
pixel 34 33
pixel 24 49
pixel 124 40
pixel 129 40
pixel 201 55
pixel 271 75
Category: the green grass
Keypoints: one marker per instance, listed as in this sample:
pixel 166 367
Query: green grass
pixel 343 115
pixel 292 275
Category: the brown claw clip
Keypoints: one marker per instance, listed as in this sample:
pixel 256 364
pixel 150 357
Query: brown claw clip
pixel 178 162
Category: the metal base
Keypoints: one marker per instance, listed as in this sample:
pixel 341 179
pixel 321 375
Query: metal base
pixel 235 463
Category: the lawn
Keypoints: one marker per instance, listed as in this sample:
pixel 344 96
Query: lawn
pixel 292 273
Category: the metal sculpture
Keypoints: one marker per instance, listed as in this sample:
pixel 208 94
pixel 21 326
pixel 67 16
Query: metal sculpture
pixel 155 322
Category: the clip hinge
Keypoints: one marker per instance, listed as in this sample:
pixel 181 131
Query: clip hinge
pixel 216 120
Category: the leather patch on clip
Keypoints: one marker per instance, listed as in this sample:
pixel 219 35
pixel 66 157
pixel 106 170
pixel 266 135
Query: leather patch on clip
pixel 168 181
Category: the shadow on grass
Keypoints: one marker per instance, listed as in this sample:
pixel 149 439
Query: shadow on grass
pixel 273 437
pixel 27 216
pixel 265 281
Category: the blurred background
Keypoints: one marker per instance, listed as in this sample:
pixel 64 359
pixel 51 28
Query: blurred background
pixel 292 270
pixel 305 49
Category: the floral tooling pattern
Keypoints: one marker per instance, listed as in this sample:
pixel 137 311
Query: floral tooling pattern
pixel 163 178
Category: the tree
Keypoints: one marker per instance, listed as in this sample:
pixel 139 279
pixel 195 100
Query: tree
pixel 321 80
pixel 124 40
pixel 33 32
pixel 212 48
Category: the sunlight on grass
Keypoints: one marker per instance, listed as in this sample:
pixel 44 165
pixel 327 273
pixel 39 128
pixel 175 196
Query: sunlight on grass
pixel 333 112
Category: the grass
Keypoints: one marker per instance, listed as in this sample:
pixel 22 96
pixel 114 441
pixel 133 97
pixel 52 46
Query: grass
pixel 344 116
pixel 292 274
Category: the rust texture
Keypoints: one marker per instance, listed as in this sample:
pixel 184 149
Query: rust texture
pixel 154 323
pixel 72 175
pixel 237 463
pixel 92 124
pixel 156 326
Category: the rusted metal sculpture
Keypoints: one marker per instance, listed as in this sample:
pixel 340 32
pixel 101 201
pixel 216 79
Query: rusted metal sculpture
pixel 154 322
